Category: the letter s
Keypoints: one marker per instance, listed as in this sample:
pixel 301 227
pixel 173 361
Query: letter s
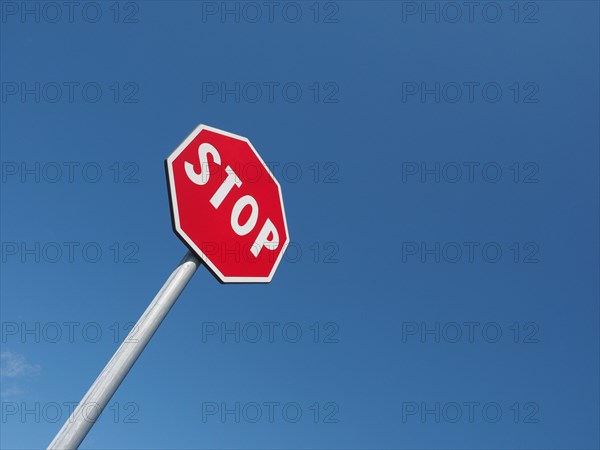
pixel 203 151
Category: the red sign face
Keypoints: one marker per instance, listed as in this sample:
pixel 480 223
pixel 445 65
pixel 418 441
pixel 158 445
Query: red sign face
pixel 227 206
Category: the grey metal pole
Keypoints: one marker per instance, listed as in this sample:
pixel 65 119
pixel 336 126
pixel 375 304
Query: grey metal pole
pixel 89 409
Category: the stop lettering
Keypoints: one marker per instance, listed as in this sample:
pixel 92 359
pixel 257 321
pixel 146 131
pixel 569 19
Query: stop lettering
pixel 227 206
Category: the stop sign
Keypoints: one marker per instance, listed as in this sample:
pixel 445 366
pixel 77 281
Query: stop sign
pixel 227 206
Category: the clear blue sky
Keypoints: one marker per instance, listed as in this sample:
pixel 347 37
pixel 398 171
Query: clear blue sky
pixel 440 178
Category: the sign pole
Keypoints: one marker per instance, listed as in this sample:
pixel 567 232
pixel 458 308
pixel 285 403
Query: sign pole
pixel 89 409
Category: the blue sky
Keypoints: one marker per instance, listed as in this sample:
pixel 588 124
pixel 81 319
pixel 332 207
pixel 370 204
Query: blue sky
pixel 439 167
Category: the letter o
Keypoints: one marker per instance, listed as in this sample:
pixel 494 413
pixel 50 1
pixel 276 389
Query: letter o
pixel 244 201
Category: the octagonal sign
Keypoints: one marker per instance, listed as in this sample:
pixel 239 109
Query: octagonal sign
pixel 227 206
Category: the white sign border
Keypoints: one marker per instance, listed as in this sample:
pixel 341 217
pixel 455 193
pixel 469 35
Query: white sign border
pixel 175 210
